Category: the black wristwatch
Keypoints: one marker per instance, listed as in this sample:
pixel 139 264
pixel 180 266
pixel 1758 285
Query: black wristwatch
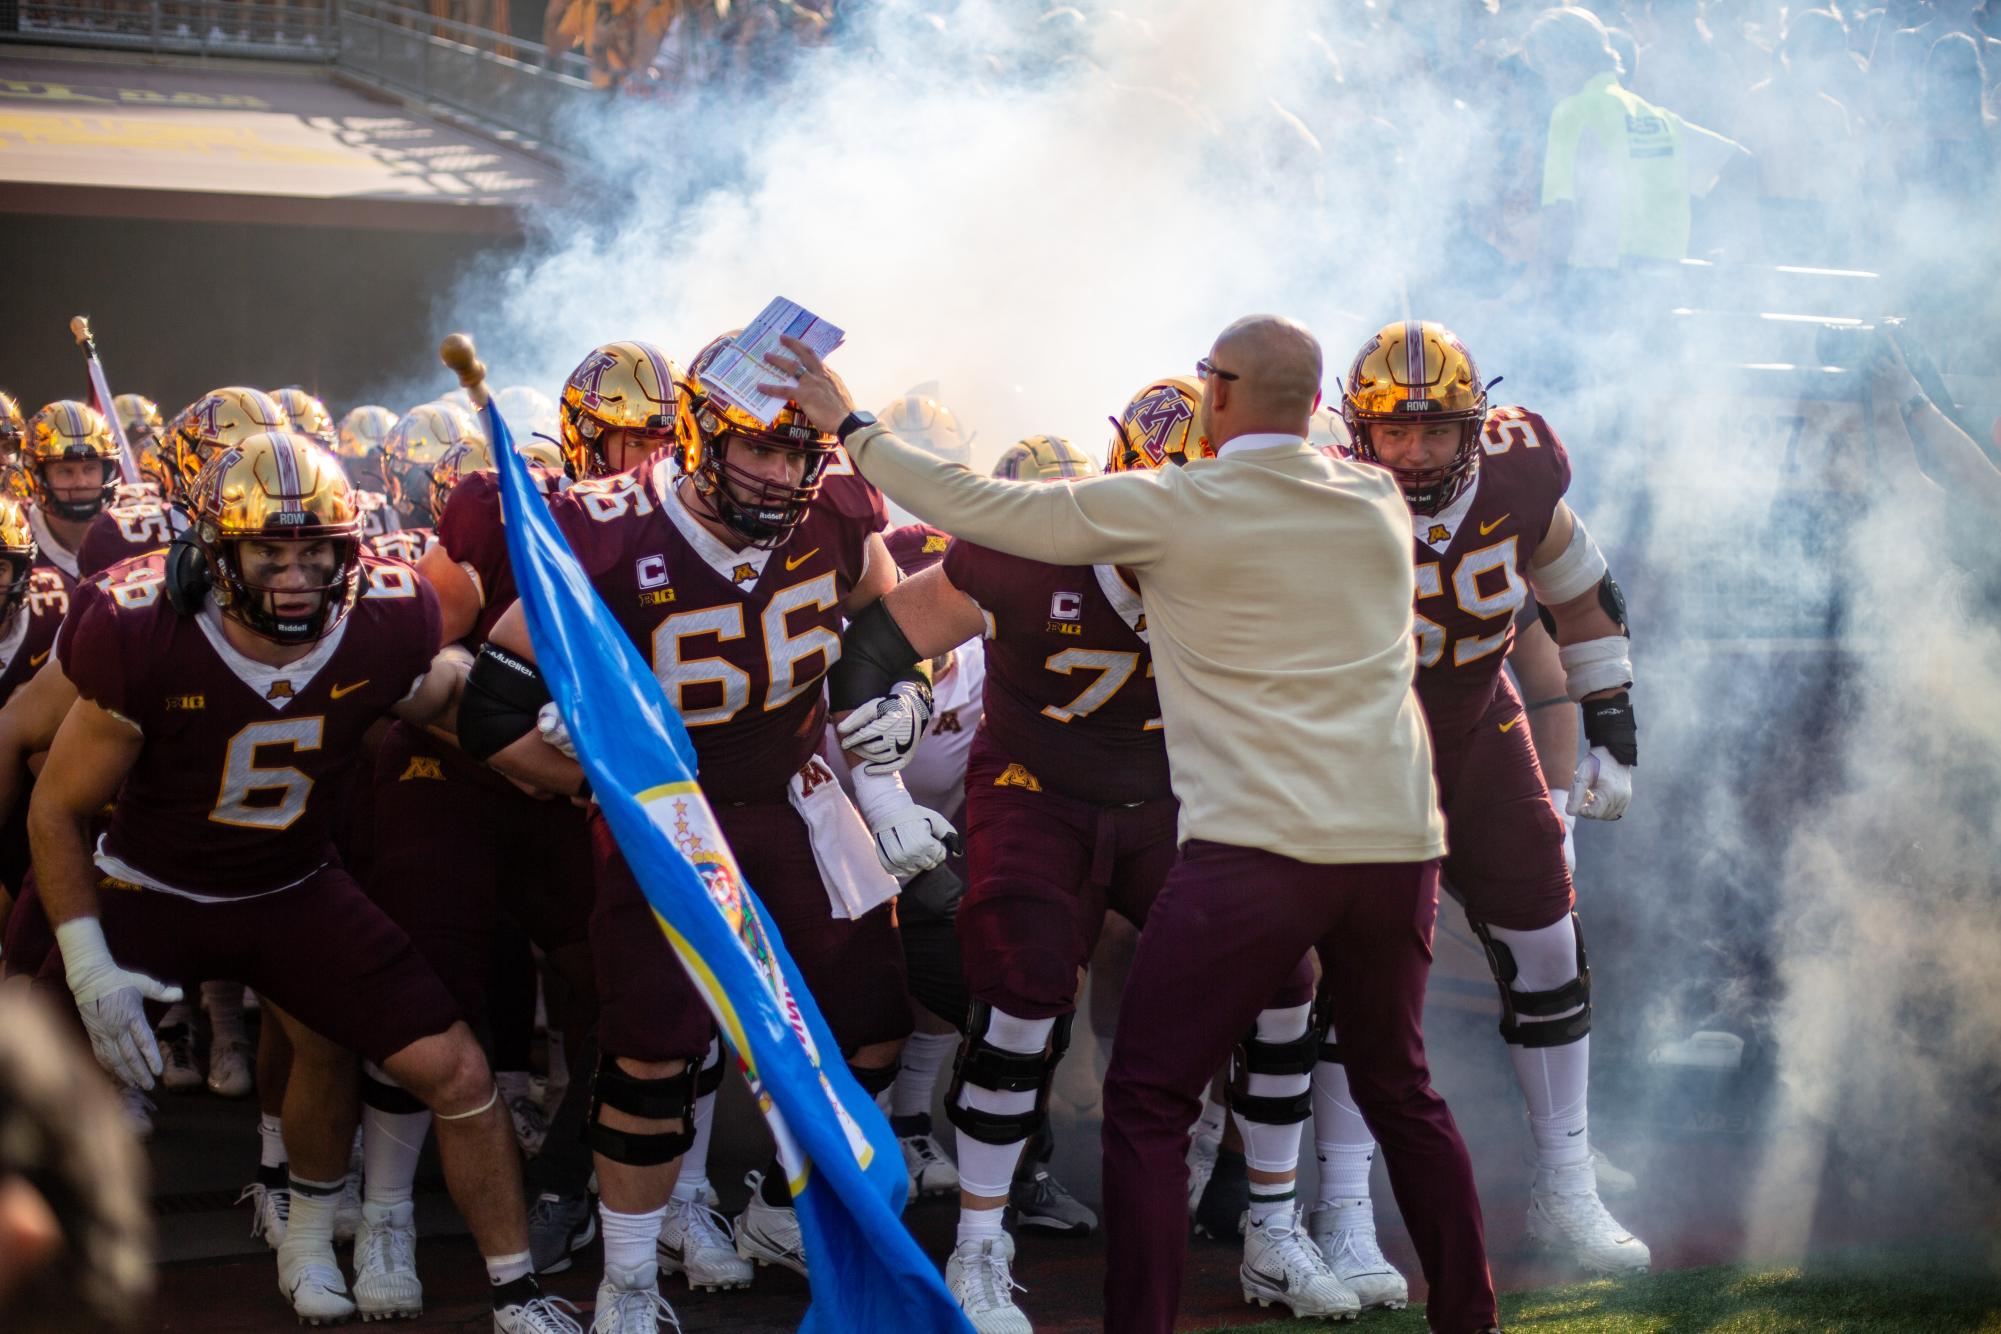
pixel 853 422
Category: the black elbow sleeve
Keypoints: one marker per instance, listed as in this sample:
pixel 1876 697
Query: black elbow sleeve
pixel 503 695
pixel 875 654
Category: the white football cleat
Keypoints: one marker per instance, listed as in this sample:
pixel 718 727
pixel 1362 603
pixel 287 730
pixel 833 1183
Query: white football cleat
pixel 768 1233
pixel 385 1263
pixel 931 1172
pixel 1201 1162
pixel 1566 1215
pixel 311 1280
pixel 629 1302
pixel 696 1240
pixel 1281 1265
pixel 271 1211
pixel 229 1068
pixel 1614 1182
pixel 980 1281
pixel 1345 1236
pixel 537 1315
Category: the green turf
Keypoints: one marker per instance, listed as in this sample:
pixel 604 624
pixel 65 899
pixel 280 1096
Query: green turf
pixel 1911 1296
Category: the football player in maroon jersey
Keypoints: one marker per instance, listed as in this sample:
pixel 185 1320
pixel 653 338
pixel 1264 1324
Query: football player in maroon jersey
pixel 247 662
pixel 1485 487
pixel 70 462
pixel 1069 815
pixel 33 603
pixel 732 577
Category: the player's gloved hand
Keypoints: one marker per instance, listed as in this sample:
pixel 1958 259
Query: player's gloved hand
pixel 883 733
pixel 908 838
pixel 549 722
pixel 112 1002
pixel 1602 789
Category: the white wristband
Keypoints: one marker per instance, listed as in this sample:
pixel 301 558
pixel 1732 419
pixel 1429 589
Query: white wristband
pixel 81 939
pixel 879 797
pixel 1596 664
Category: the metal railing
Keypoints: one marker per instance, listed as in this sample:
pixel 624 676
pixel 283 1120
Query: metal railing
pixel 272 29
pixel 503 81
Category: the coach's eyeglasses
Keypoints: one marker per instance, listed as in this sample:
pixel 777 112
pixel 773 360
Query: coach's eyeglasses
pixel 1205 368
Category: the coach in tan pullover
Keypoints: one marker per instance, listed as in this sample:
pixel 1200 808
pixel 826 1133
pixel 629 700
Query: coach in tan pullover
pixel 1278 588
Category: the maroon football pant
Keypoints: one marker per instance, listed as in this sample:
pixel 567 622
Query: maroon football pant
pixel 321 951
pixel 1231 924
pixel 1506 863
pixel 650 1011
pixel 1044 870
pixel 455 844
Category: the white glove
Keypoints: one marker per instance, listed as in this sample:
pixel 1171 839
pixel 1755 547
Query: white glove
pixel 549 722
pixel 883 733
pixel 112 1002
pixel 1603 787
pixel 908 837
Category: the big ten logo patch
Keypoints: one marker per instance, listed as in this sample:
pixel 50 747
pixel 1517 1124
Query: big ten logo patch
pixel 651 574
pixel 1066 613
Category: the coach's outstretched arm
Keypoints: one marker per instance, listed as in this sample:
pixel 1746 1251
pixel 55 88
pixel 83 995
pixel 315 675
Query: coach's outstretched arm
pixel 1124 519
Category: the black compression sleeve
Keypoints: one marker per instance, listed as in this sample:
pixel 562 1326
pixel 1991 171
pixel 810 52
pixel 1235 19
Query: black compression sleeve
pixel 875 654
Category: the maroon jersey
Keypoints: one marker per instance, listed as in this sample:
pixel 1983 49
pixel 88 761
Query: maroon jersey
pixel 235 790
pixel 405 544
pixel 378 516
pixel 1070 690
pixel 50 553
pixel 1472 568
pixel 740 639
pixel 916 547
pixel 127 529
pixel 25 644
pixel 472 535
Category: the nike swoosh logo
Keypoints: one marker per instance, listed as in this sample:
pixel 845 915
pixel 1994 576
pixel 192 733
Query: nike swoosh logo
pixel 1510 723
pixel 1487 528
pixel 793 563
pixel 1573 1134
pixel 1279 1281
pixel 39 658
pixel 339 692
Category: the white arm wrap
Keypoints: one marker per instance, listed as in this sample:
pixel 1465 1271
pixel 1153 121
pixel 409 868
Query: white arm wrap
pixel 1596 664
pixel 1571 575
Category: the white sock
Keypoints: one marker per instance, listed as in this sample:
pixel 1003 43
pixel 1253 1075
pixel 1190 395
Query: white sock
pixel 1341 1141
pixel 629 1239
pixel 391 1144
pixel 270 1141
pixel 924 1055
pixel 311 1222
pixel 1275 1148
pixel 1555 1081
pixel 979 1224
pixel 694 1175
pixel 504 1269
pixel 224 1003
pixel 1273 1200
pixel 1211 1120
pixel 988 1169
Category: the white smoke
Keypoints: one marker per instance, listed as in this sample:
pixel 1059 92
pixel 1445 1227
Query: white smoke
pixel 1041 213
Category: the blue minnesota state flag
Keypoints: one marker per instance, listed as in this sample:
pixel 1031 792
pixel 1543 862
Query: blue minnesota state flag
pixel 847 1173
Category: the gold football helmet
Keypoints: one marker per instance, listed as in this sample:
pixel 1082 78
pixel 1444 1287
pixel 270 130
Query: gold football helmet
pixel 14 479
pixel 307 415
pixel 70 431
pixel 216 420
pixel 760 510
pixel 460 460
pixel 1417 372
pixel 414 448
pixel 1044 458
pixel 626 386
pixel 279 487
pixel 925 422
pixel 140 418
pixel 358 444
pixel 1161 425
pixel 18 551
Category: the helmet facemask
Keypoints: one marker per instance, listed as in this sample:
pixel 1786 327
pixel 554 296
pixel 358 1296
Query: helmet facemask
pixel 761 510
pixel 75 511
pixel 253 604
pixel 1426 490
pixel 16 593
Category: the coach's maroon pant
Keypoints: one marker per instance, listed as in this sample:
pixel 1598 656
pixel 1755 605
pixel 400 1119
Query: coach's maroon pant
pixel 1230 925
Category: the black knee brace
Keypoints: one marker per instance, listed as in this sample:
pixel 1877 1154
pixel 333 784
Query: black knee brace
pixel 986 1066
pixel 1254 1056
pixel 875 1080
pixel 1539 1005
pixel 669 1099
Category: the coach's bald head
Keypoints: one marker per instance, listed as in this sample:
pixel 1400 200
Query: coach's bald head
pixel 1264 378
